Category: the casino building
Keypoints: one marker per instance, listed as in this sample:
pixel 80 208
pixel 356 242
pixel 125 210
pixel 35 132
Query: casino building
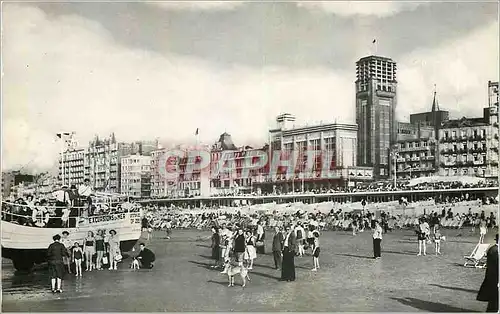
pixel 335 140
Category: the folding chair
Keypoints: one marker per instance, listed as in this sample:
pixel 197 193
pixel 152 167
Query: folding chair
pixel 477 257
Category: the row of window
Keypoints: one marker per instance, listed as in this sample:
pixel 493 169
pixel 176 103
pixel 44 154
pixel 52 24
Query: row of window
pixel 465 158
pixel 474 146
pixel 464 171
pixel 413 144
pixel 465 132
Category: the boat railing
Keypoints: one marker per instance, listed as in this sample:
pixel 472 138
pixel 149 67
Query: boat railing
pixel 10 213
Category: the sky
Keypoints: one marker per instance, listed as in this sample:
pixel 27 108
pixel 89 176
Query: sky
pixel 163 69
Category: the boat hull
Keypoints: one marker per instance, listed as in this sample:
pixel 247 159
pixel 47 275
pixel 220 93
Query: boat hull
pixel 26 246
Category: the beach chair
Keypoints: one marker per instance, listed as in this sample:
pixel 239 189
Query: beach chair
pixel 477 258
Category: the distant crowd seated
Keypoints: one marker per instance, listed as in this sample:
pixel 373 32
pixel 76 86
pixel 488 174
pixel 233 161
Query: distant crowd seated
pixel 369 187
pixel 160 218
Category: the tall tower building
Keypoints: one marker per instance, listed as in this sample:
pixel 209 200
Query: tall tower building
pixel 376 98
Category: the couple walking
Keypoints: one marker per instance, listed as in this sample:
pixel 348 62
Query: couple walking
pixel 284 252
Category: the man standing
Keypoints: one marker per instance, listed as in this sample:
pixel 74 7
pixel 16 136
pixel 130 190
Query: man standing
pixel 63 204
pixel 55 254
pixel 146 257
pixel 277 247
pixel 260 238
pixel 288 266
pixel 489 289
pixel 85 191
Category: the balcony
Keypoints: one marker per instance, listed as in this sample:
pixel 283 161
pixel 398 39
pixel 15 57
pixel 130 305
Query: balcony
pixel 413 149
pixel 448 139
pixel 477 150
pixel 415 158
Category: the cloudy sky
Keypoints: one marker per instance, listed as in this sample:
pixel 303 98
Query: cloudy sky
pixel 161 70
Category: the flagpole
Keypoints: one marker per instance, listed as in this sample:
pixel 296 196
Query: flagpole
pixel 374 43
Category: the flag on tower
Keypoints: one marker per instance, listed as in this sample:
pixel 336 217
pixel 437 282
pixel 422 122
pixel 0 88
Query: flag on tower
pixel 196 132
pixel 374 41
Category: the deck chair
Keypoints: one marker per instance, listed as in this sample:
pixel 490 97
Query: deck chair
pixel 477 257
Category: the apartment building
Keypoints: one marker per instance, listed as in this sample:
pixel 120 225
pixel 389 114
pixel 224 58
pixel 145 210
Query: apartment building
pixel 136 176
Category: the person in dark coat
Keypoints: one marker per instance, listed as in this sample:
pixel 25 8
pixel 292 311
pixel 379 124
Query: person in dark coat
pixel 239 246
pixel 55 254
pixel 288 265
pixel 146 257
pixel 277 247
pixel 216 250
pixel 489 289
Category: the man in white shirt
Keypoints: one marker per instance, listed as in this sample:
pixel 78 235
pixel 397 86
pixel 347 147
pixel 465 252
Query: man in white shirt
pixel 85 192
pixel 63 203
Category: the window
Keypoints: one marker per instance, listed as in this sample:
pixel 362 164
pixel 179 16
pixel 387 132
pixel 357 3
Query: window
pixel 446 134
pixel 454 134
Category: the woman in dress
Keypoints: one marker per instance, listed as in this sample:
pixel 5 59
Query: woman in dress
pixel 99 247
pixel 114 249
pixel 89 249
pixel 250 252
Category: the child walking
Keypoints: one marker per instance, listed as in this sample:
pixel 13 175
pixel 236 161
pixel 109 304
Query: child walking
pixel 77 258
pixel 316 250
pixel 437 240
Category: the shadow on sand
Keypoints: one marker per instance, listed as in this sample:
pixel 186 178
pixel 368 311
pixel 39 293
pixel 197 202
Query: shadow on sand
pixel 455 288
pixel 357 256
pixel 429 306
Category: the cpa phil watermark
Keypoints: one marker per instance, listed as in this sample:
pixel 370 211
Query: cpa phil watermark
pixel 193 163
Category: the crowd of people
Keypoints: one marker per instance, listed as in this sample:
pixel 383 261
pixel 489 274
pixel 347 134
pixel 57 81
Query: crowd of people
pixel 62 209
pixel 97 251
pixel 404 185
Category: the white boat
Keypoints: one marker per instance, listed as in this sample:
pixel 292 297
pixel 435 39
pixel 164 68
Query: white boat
pixel 27 245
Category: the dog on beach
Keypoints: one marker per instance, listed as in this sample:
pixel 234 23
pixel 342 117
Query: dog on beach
pixel 135 264
pixel 231 271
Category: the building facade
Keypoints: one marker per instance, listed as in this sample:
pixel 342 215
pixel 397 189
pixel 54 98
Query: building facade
pixel 160 185
pixel 376 101
pixel 241 178
pixel 469 147
pixel 337 141
pixel 102 163
pixel 136 176
pixel 12 178
pixel 415 157
pixel 72 167
pixel 415 152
